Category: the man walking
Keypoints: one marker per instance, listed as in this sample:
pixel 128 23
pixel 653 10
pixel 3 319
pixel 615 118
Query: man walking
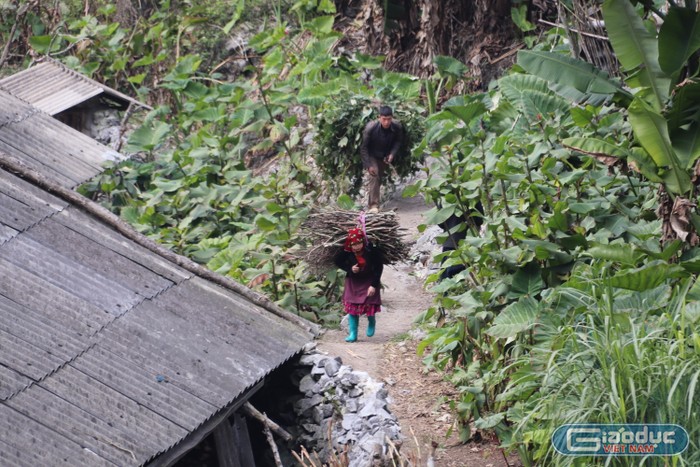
pixel 381 142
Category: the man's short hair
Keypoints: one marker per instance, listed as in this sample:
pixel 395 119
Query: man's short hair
pixel 385 111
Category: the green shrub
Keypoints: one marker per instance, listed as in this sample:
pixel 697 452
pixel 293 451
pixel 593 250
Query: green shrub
pixel 340 125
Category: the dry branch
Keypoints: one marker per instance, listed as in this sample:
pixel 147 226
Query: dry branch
pixel 273 446
pixel 249 409
pixel 326 231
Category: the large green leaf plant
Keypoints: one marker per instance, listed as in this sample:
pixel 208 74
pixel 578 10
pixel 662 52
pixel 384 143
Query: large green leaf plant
pixel 660 93
pixel 201 180
pixel 569 262
pixel 223 171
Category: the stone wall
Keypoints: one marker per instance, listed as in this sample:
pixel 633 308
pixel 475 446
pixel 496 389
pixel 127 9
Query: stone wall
pixel 343 409
pixel 104 126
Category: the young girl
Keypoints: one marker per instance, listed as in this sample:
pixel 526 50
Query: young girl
pixel 364 266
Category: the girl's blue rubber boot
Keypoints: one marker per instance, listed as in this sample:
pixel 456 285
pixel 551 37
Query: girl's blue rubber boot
pixel 353 321
pixel 370 327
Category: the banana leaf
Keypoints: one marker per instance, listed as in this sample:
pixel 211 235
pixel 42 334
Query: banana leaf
pixel 637 49
pixel 575 80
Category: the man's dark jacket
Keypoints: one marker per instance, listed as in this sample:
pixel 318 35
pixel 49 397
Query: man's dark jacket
pixel 378 143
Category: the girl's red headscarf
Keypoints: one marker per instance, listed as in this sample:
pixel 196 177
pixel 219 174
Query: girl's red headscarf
pixel 356 236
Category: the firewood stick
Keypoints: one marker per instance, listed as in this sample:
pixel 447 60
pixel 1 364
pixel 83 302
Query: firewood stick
pixel 262 418
pixel 273 446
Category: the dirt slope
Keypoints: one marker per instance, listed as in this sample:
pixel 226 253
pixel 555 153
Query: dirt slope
pixel 418 398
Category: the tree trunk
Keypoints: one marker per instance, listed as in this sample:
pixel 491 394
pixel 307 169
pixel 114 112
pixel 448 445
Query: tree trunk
pixel 411 33
pixel 126 13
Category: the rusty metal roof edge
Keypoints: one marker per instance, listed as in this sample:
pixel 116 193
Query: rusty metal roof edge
pixel 105 89
pixel 16 166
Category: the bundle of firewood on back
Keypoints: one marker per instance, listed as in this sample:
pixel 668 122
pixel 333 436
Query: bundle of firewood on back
pixel 326 231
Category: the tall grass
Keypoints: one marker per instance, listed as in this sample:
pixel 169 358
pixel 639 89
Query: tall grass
pixel 612 364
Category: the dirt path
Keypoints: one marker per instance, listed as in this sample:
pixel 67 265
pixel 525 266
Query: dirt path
pixel 419 399
pixel 402 298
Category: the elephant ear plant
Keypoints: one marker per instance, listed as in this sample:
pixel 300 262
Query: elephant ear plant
pixel 660 93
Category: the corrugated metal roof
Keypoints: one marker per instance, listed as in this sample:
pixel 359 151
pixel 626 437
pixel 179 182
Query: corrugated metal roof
pixel 48 146
pixel 52 87
pixel 110 353
pixel 25 442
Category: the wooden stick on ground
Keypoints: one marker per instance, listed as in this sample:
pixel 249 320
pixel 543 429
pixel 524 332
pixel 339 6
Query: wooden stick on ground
pixel 354 354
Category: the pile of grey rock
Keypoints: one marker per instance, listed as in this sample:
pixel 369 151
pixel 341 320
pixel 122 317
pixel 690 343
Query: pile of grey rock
pixel 344 411
pixel 424 250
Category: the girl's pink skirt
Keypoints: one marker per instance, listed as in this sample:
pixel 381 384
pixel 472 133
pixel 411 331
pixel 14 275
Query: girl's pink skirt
pixel 358 309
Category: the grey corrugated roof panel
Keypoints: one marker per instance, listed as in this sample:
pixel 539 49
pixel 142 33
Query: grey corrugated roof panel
pixel 225 321
pixel 16 457
pixel 233 321
pixel 11 382
pixel 78 425
pixel 28 443
pixel 80 151
pixel 55 323
pixel 107 237
pixel 209 367
pixel 35 197
pixel 148 338
pixel 64 99
pixel 27 358
pixel 141 384
pixel 233 403
pixel 56 175
pixel 53 87
pixel 23 205
pixel 122 416
pixel 14 215
pixel 50 342
pixel 126 382
pixel 70 148
pixel 54 304
pixel 13 110
pixel 103 264
pixel 6 232
pixel 76 279
pixel 79 243
pixel 56 338
pixel 55 150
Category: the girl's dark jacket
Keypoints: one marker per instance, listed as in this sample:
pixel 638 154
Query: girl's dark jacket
pixel 356 284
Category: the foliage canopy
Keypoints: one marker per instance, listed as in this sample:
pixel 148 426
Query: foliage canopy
pixel 579 301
